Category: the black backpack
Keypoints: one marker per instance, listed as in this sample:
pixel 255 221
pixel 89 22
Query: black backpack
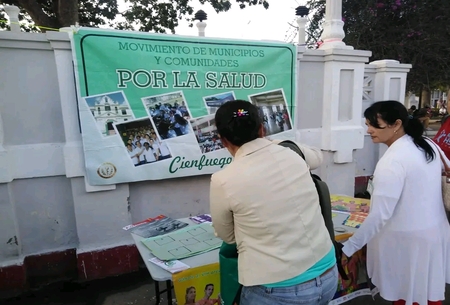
pixel 325 206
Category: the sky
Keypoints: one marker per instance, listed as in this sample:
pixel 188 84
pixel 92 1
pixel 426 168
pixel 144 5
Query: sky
pixel 250 23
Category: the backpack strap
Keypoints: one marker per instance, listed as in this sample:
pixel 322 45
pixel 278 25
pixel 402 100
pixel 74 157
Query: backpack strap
pixel 325 207
pixel 291 144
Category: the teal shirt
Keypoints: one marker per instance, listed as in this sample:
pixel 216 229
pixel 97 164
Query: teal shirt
pixel 320 267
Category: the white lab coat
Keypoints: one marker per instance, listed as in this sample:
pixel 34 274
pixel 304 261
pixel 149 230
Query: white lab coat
pixel 407 232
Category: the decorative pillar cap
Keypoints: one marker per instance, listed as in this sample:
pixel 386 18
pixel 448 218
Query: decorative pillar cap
pixel 11 9
pixel 200 16
pixel 302 11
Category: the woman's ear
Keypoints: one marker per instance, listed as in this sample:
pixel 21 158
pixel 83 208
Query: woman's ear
pixel 262 131
pixel 224 141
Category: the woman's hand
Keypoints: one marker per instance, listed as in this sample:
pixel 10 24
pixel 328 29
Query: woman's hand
pixel 342 260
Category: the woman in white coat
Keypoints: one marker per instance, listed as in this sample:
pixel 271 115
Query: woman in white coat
pixel 407 232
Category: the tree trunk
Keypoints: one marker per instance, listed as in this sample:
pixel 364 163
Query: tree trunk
pixel 407 101
pixel 67 12
pixel 420 97
pixel 426 97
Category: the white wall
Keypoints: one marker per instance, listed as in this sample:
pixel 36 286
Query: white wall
pixel 43 199
pixel 366 158
pixel 45 202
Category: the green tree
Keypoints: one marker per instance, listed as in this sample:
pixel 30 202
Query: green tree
pixel 411 31
pixel 143 15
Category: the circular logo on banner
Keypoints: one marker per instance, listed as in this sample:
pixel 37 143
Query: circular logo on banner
pixel 106 170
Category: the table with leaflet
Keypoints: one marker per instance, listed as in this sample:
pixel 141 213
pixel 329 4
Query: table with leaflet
pixel 160 275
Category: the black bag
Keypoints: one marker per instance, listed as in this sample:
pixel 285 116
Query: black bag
pixel 325 207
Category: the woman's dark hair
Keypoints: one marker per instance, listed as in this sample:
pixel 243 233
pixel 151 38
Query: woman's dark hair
pixel 163 128
pixel 238 129
pixel 148 144
pixel 180 120
pixel 390 112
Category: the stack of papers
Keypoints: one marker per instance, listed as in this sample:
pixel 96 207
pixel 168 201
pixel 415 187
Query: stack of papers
pixel 171 266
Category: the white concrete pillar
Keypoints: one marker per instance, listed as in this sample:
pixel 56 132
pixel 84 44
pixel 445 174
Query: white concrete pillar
pixel 5 174
pixel 301 21
pixel 342 94
pixel 390 84
pixel 390 80
pixel 298 103
pixel 13 14
pixel 73 148
pixel 201 28
pixel 368 98
pixel 333 27
pixel 100 211
pixel 2 138
pixel 329 107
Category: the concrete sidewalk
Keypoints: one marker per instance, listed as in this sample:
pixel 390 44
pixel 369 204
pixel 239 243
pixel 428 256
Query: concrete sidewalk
pixel 132 289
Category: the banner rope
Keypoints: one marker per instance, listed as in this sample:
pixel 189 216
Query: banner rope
pixel 37 26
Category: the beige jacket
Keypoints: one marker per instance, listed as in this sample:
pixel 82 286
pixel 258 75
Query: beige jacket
pixel 266 203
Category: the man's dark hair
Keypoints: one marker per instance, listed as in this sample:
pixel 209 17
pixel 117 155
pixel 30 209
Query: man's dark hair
pixel 207 285
pixel 238 122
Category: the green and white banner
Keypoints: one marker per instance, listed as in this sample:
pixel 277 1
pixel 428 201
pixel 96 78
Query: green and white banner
pixel 147 101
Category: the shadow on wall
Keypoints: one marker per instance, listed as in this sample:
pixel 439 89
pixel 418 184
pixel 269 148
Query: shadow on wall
pixel 152 198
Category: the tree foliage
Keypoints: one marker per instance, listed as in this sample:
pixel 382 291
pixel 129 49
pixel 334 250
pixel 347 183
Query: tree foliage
pixel 410 31
pixel 143 15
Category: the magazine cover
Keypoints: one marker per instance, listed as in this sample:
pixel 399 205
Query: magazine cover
pixel 198 286
pixel 158 226
pixel 349 204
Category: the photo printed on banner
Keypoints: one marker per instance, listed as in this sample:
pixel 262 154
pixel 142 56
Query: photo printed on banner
pixel 141 142
pixel 169 113
pixel 109 109
pixel 274 111
pixel 206 134
pixel 213 102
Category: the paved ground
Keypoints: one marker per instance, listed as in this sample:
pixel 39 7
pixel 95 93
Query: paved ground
pixel 435 125
pixel 132 289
